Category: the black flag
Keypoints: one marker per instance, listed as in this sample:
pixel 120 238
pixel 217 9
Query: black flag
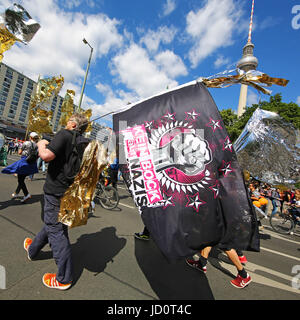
pixel 180 165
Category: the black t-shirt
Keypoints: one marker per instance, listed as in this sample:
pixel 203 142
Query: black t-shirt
pixel 61 145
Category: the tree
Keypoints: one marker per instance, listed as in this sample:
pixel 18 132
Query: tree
pixel 288 111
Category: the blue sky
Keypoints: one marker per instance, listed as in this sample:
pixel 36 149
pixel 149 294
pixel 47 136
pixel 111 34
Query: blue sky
pixel 141 47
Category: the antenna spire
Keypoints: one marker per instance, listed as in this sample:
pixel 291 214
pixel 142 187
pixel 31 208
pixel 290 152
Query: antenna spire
pixel 251 22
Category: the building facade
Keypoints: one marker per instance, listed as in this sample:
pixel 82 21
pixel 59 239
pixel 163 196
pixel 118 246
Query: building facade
pixel 16 90
pixel 15 94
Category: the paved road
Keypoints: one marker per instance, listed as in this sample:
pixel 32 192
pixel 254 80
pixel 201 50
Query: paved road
pixel 110 264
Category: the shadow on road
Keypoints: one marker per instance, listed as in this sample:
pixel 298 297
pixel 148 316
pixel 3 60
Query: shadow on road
pixel 93 251
pixel 17 202
pixel 171 281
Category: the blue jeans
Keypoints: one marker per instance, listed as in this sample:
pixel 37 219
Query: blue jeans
pixel 274 207
pixel 56 234
pixel 39 160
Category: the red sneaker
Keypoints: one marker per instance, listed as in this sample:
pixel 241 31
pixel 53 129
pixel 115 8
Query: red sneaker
pixel 196 264
pixel 49 280
pixel 27 242
pixel 240 282
pixel 243 259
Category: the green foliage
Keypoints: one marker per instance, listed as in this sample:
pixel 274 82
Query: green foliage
pixel 288 111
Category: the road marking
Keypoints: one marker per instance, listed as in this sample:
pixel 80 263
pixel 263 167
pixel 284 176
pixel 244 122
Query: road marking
pixel 276 235
pixel 263 280
pixel 126 205
pixel 280 253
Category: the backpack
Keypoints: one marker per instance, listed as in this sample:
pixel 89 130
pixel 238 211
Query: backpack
pixel 33 154
pixel 73 163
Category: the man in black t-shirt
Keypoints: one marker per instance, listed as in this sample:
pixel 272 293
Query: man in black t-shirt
pixel 57 153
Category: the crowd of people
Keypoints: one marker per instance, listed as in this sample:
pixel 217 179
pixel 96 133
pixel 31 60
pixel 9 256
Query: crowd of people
pixel 10 146
pixel 273 200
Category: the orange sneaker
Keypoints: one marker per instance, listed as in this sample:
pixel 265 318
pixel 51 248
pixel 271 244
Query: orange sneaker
pixel 49 280
pixel 26 244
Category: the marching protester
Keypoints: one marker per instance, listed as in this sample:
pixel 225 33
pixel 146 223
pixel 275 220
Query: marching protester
pixel 200 263
pixel 57 152
pixel 10 147
pixel 23 167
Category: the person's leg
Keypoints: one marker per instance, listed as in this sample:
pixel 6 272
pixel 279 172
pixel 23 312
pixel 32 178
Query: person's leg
pixel 43 166
pixel 144 235
pixel 274 208
pixel 114 178
pixel 205 252
pixel 233 256
pixel 199 261
pixel 58 240
pixel 241 256
pixel 38 243
pixel 21 185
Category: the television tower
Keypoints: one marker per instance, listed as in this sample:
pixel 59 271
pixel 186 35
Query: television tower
pixel 248 62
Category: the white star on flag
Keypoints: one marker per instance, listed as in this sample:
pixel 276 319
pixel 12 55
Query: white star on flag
pixel 149 124
pixel 168 202
pixel 227 145
pixel 169 116
pixel 192 115
pixel 196 202
pixel 215 189
pixel 226 168
pixel 214 124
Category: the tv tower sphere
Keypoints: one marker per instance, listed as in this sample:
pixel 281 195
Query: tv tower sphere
pixel 248 61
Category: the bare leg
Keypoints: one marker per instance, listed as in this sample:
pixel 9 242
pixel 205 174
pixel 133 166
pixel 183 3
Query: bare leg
pixel 233 256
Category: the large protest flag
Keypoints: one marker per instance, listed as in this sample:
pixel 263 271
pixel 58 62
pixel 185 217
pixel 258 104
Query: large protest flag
pixel 181 168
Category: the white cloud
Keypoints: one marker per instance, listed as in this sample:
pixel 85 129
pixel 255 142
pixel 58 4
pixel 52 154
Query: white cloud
pixel 57 48
pixel 221 61
pixel 211 28
pixel 152 39
pixel 298 101
pixel 139 73
pixel 168 7
pixel 171 64
pixel 252 98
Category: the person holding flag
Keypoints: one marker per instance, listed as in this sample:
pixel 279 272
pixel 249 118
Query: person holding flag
pixel 57 153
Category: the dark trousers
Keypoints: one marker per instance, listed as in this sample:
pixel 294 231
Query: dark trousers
pixel 113 177
pixel 56 234
pixel 22 185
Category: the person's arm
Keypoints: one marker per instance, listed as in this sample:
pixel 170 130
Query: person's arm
pixel 44 153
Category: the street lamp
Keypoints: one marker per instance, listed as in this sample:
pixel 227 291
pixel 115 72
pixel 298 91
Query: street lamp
pixel 86 73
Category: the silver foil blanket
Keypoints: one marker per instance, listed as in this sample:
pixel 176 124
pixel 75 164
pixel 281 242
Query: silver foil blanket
pixel 269 148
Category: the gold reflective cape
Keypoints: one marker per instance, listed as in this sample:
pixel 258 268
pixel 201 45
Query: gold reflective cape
pixel 40 114
pixel 75 203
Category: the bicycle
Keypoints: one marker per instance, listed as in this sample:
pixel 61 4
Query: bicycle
pixel 107 196
pixel 285 222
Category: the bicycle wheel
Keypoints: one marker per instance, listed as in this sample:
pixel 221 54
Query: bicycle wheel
pixel 282 223
pixel 109 198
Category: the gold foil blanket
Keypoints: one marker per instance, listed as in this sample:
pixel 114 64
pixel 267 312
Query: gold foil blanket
pixel 40 114
pixel 76 201
pixel 253 78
